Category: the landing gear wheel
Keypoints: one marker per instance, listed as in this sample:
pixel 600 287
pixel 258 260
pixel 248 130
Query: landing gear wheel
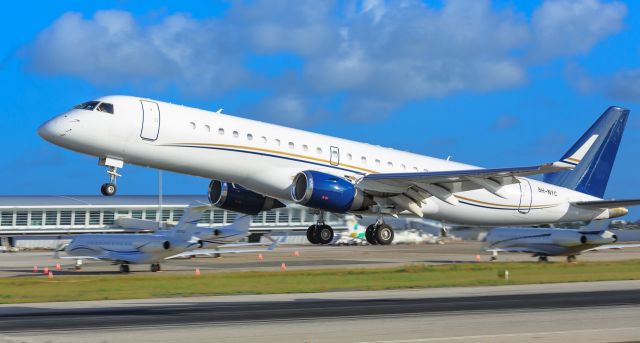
pixel 155 267
pixel 369 234
pixel 543 259
pixel 384 234
pixel 324 233
pixel 108 189
pixel 312 237
pixel 571 259
pixel 124 268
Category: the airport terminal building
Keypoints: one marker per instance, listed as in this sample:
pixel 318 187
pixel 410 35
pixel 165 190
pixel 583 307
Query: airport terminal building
pixel 37 221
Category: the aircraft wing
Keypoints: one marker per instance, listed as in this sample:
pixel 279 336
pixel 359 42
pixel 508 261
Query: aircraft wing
pixel 604 204
pixel 222 250
pixel 408 190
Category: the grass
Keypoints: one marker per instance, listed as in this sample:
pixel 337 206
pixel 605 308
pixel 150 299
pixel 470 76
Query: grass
pixel 140 286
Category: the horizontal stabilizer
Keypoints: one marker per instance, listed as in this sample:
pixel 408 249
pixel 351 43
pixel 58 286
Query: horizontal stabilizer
pixel 607 203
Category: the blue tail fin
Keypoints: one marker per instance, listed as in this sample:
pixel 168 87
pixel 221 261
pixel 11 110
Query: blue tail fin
pixel 593 166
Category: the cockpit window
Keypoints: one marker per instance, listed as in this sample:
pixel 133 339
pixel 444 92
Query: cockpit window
pixel 105 107
pixel 89 105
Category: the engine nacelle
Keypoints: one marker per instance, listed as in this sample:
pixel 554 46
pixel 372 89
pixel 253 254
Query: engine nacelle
pixel 232 197
pixel 151 244
pixel 327 192
pixel 571 238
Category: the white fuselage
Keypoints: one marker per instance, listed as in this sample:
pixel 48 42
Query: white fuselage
pixel 265 158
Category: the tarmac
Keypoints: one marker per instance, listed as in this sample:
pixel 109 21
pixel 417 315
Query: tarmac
pixel 310 257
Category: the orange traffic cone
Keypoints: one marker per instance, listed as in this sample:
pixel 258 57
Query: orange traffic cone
pixel 283 267
pixel 45 271
pixel 35 269
pixel 260 258
pixel 296 253
pixel 50 275
pixel 478 258
pixel 197 271
pixel 58 266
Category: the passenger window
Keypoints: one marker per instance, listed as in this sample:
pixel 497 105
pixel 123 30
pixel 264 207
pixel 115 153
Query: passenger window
pixel 390 164
pixel 377 162
pixel 235 134
pixel 319 151
pixel 305 147
pixel 193 125
pixel 363 159
pixel 263 139
pixel 415 169
pixel 105 107
pixel 89 105
pixel 207 128
pixel 277 142
pixel 349 157
pixel 221 131
pixel 249 137
pixel 291 145
pixel 404 167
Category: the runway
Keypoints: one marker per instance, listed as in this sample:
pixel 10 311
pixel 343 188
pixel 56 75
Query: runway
pixel 588 312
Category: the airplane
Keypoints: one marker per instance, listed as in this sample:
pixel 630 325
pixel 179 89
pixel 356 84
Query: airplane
pixel 545 242
pixel 255 166
pixel 183 240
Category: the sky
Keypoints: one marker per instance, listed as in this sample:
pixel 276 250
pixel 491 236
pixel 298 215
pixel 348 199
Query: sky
pixel 489 83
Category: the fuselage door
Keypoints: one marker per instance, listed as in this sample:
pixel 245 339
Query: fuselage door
pixel 150 120
pixel 526 196
pixel 335 156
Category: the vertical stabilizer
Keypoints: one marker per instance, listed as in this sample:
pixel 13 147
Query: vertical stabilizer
pixel 593 155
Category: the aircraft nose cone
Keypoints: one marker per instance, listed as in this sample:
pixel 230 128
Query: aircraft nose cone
pixel 51 130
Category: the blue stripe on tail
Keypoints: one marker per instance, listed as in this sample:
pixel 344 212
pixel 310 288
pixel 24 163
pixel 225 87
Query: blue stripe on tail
pixel 591 175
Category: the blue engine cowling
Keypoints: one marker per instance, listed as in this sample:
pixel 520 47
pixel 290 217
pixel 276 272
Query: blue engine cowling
pixel 232 197
pixel 327 192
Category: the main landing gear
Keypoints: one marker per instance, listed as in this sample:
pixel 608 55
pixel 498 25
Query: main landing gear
pixel 571 259
pixel 379 233
pixel 155 267
pixel 124 268
pixel 320 233
pixel 543 259
pixel 109 188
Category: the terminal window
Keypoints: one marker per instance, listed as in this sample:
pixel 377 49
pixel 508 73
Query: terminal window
pixel 51 218
pixel 94 217
pixel 65 218
pixel 21 218
pixel 36 218
pixel 7 218
pixel 80 218
pixel 107 217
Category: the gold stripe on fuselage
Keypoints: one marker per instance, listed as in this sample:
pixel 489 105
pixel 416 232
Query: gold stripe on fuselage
pixel 501 205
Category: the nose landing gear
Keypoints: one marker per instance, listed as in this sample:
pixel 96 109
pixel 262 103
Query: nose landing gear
pixel 109 188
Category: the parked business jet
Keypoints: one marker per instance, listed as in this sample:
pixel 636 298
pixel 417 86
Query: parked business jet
pixel 255 166
pixel 543 243
pixel 183 240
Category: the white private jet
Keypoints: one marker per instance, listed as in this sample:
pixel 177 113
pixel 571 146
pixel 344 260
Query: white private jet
pixel 254 166
pixel 184 240
pixel 543 243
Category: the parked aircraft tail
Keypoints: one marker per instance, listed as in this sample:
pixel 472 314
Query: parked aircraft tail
pixel 593 155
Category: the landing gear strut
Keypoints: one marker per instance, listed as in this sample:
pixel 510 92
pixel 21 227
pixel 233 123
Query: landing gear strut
pixel 320 233
pixel 109 188
pixel 155 267
pixel 379 233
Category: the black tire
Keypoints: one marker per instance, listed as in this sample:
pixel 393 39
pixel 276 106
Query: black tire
pixel 108 189
pixel 369 234
pixel 311 235
pixel 155 267
pixel 384 234
pixel 324 234
pixel 124 268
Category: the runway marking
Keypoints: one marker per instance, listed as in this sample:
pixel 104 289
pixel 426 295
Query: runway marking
pixel 506 335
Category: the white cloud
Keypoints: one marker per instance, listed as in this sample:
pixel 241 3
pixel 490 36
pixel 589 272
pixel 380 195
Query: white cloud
pixel 567 27
pixel 371 56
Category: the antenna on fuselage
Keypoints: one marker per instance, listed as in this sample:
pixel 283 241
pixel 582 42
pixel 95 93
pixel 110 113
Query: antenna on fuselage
pixel 219 111
pixel 449 158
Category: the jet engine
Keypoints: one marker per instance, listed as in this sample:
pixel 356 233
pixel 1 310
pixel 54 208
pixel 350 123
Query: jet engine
pixel 571 238
pixel 229 196
pixel 328 192
pixel 151 244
